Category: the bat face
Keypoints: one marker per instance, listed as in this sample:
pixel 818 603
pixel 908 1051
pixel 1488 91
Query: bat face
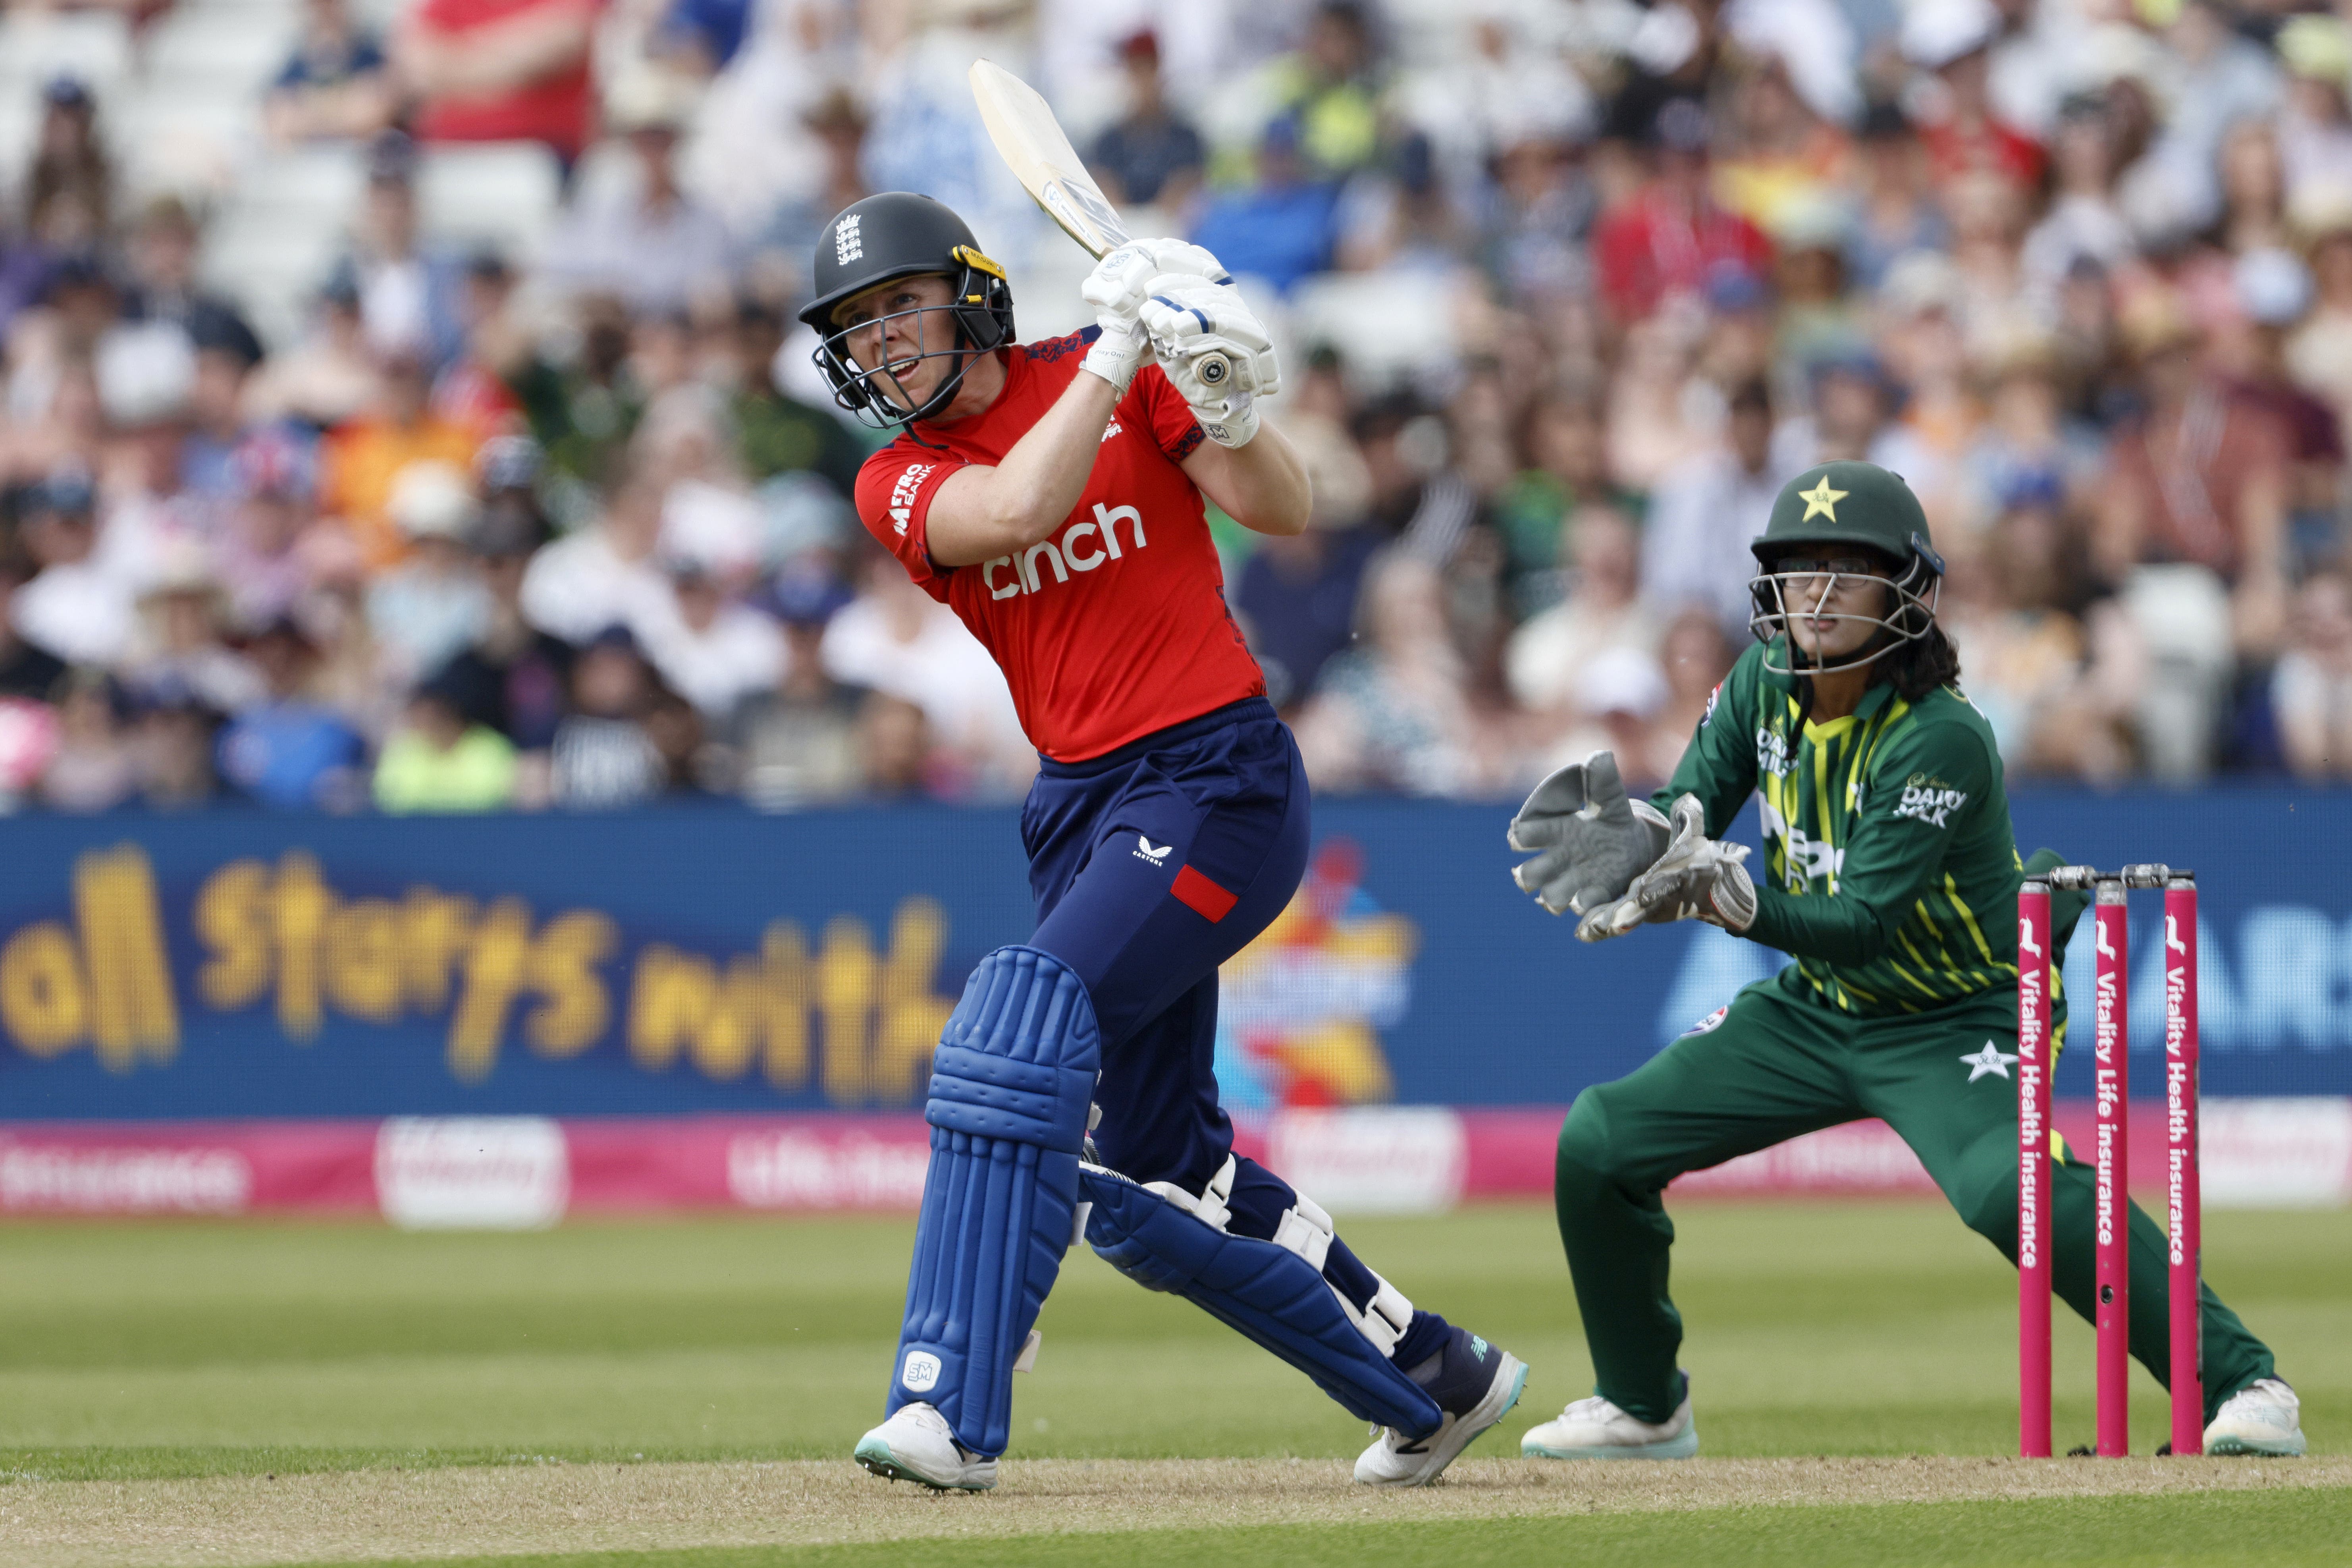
pixel 1035 147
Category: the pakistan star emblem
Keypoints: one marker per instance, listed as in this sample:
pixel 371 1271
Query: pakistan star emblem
pixel 1991 1059
pixel 1820 501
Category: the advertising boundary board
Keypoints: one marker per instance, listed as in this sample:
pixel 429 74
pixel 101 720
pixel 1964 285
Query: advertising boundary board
pixel 712 961
pixel 521 1173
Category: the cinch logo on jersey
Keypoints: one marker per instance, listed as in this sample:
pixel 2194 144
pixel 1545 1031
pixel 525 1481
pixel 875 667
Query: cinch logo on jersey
pixel 848 246
pixel 1111 430
pixel 902 494
pixel 1773 752
pixel 1929 804
pixel 1082 547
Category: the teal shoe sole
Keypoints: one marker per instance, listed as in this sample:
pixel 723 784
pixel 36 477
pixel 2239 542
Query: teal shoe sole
pixel 876 1456
pixel 2241 1448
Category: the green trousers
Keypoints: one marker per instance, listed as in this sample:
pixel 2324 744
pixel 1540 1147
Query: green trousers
pixel 1775 1066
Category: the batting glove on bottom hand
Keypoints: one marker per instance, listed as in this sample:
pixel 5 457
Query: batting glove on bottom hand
pixel 1117 289
pixel 1216 354
pixel 1696 879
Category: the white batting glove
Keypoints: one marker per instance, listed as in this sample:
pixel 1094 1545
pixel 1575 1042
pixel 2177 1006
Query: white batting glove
pixel 1217 355
pixel 1118 288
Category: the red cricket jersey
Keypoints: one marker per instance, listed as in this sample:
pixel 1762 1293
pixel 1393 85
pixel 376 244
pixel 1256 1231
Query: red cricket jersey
pixel 1116 626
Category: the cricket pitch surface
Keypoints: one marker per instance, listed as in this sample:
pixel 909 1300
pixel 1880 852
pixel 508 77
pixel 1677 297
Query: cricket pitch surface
pixel 475 1511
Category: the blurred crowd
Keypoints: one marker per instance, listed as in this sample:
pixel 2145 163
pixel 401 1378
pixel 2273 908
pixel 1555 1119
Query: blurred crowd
pixel 1568 289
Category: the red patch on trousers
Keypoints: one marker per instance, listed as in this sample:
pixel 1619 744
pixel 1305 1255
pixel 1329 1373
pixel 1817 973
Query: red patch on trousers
pixel 1212 902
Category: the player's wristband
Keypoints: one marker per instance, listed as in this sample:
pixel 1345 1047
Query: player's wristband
pixel 1235 426
pixel 1115 360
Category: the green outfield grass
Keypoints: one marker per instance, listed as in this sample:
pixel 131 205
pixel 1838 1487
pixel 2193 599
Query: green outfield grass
pixel 197 1348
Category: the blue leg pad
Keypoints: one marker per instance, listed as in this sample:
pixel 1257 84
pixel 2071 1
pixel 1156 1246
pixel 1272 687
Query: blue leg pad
pixel 1010 1091
pixel 1272 1293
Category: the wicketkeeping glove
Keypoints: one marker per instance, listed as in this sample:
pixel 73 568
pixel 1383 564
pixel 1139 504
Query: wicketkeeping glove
pixel 1216 354
pixel 1696 879
pixel 1594 840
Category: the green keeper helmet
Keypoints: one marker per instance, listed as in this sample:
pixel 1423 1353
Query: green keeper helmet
pixel 1843 519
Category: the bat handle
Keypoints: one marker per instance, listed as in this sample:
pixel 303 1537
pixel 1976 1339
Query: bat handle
pixel 1214 370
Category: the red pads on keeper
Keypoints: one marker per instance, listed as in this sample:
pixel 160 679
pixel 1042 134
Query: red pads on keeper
pixel 1207 900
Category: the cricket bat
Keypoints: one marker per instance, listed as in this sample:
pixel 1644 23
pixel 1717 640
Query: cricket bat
pixel 1036 148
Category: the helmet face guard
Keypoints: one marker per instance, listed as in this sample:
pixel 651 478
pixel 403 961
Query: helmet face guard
pixel 980 312
pixel 1909 613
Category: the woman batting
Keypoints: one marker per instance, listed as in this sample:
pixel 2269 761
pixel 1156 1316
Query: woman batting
pixel 1051 494
pixel 1891 863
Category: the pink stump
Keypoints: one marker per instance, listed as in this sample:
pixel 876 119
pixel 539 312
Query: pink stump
pixel 2111 1049
pixel 2183 1201
pixel 2033 1063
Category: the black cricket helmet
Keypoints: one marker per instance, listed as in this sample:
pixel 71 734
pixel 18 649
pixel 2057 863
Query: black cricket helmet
pixel 1832 515
pixel 882 239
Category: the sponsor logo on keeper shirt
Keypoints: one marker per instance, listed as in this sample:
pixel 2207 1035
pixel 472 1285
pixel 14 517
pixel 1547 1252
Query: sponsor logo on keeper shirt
pixel 902 494
pixel 1709 1023
pixel 1773 752
pixel 1157 854
pixel 1806 858
pixel 1928 804
pixel 1083 547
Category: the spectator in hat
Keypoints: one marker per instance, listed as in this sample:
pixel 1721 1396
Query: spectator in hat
pixel 1280 227
pixel 652 243
pixel 1669 236
pixel 603 756
pixel 2315 128
pixel 74 607
pixel 514 677
pixel 1953 40
pixel 263 567
pixel 290 750
pixel 432 605
pixel 776 433
pixel 180 650
pixel 605 574
pixel 361 458
pixel 1613 705
pixel 1151 154
pixel 438 761
pixel 799 745
pixel 709 647
pixel 409 293
pixel 499 70
pixel 335 84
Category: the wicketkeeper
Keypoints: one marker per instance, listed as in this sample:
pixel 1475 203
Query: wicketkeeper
pixel 1891 875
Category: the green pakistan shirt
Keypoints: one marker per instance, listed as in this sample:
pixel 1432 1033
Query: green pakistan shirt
pixel 1890 870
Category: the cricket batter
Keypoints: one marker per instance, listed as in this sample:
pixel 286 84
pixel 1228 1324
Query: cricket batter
pixel 1892 876
pixel 1051 495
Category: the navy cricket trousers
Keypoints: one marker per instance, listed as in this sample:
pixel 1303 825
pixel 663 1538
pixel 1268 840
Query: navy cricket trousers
pixel 1151 866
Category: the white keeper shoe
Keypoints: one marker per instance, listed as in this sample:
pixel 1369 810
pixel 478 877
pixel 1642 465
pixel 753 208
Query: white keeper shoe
pixel 2263 1417
pixel 917 1445
pixel 1475 1384
pixel 1595 1428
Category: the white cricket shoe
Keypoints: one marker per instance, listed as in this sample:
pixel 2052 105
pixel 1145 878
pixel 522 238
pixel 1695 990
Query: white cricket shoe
pixel 1475 1386
pixel 2263 1417
pixel 917 1445
pixel 1596 1429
